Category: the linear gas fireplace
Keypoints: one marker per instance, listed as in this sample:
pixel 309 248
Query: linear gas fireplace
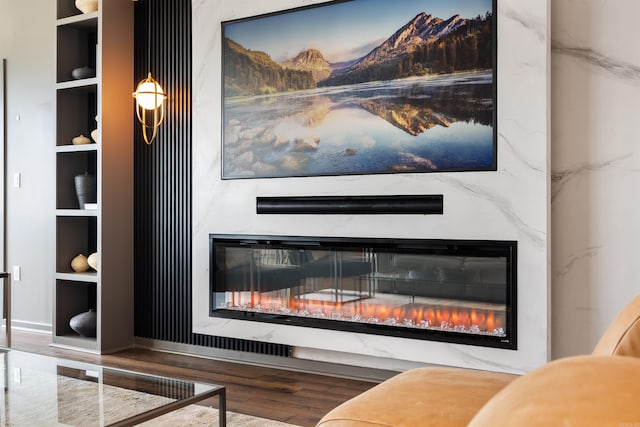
pixel 458 291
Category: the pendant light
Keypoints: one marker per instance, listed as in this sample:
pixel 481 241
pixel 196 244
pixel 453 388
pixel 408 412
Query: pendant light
pixel 149 96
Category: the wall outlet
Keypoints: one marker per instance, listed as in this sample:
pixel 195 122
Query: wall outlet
pixel 16 273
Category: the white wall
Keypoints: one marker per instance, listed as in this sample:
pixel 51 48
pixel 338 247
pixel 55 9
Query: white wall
pixel 27 41
pixel 595 167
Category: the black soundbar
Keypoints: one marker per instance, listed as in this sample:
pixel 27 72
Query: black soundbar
pixel 351 205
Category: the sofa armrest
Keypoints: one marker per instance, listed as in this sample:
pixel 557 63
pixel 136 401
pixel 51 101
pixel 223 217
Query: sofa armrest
pixel 622 337
pixel 425 397
pixel 575 391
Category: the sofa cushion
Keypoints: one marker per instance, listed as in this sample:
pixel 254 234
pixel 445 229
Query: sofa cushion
pixel 575 391
pixel 448 397
pixel 438 397
pixel 622 337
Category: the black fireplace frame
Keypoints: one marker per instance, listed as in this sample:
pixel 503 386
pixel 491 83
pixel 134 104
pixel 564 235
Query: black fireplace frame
pixel 496 248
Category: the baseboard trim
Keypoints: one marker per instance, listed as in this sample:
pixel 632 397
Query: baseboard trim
pixel 275 362
pixel 43 328
pixel 319 367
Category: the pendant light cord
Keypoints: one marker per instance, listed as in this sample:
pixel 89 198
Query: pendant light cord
pixel 148 35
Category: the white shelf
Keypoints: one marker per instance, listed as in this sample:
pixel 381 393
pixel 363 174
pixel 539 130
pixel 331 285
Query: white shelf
pixel 76 148
pixel 75 342
pixel 81 83
pixel 88 276
pixel 76 212
pixel 82 20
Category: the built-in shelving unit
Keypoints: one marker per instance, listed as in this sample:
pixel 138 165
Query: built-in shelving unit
pixel 101 102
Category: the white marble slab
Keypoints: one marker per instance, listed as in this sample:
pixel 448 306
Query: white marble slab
pixel 595 167
pixel 509 204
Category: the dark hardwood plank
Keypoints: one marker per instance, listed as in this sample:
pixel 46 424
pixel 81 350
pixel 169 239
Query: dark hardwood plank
pixel 278 394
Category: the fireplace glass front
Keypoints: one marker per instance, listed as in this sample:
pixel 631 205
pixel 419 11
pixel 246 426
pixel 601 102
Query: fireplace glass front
pixel 455 291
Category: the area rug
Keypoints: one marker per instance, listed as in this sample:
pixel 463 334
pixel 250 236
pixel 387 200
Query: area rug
pixel 130 402
pixel 200 416
pixel 59 401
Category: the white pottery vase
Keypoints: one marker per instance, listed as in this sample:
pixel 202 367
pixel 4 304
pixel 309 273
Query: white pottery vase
pixel 92 260
pixel 87 6
pixel 94 133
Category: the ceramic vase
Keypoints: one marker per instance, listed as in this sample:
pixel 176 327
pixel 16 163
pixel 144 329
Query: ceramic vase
pixel 83 73
pixel 92 260
pixel 80 264
pixel 87 6
pixel 85 189
pixel 85 323
pixel 80 140
pixel 94 133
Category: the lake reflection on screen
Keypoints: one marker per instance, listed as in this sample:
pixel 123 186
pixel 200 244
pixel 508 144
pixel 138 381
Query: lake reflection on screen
pixel 426 124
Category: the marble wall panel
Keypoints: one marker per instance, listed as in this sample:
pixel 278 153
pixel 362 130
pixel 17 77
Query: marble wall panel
pixel 509 204
pixel 595 167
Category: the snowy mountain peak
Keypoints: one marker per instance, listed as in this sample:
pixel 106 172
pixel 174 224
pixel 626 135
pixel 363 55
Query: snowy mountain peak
pixel 422 29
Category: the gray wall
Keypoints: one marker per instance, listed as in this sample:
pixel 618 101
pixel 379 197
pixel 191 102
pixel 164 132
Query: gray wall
pixel 27 41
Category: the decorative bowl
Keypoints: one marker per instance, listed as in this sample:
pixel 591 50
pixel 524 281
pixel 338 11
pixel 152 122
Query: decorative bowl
pixel 87 6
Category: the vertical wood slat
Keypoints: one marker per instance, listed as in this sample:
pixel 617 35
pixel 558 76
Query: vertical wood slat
pixel 162 186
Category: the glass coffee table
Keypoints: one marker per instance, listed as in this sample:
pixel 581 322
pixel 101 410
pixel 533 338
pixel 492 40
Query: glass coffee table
pixel 48 391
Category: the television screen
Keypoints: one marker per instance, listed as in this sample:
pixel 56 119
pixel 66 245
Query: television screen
pixel 360 87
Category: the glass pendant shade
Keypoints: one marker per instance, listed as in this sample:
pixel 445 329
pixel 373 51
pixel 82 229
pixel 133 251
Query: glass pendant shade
pixel 149 94
pixel 150 98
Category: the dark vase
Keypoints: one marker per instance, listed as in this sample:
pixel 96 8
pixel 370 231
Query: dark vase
pixel 85 189
pixel 84 323
pixel 83 73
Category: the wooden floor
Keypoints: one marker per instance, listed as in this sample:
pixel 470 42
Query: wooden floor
pixel 282 395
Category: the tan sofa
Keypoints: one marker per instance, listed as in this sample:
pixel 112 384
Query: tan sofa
pixel 550 395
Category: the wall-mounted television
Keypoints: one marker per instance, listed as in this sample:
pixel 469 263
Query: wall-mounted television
pixel 360 87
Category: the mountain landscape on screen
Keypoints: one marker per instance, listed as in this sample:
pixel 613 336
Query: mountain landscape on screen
pixel 426 45
pixel 359 88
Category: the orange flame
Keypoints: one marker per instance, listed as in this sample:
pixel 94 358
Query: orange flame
pixel 414 314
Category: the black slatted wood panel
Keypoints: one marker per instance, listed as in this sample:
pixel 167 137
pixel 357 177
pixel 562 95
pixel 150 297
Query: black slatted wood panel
pixel 163 186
